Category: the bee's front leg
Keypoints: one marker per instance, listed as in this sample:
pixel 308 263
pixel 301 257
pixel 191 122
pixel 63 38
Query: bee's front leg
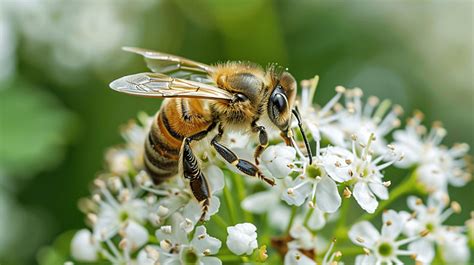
pixel 262 140
pixel 242 165
pixel 197 180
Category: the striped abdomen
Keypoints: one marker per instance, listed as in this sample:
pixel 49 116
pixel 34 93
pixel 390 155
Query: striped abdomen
pixel 177 119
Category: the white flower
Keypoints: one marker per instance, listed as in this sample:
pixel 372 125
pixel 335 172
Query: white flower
pixel 298 190
pixel 122 159
pixel 278 159
pixel 383 247
pixel 321 122
pixel 295 257
pixel 84 247
pixel 364 120
pixel 136 235
pixel 334 165
pixel 62 27
pixel 437 166
pixel 269 202
pixel 303 239
pixel 179 197
pixel 431 218
pixel 362 169
pixel 242 238
pixel 149 255
pixel 176 247
pixel 115 212
pixel 118 161
pixel 313 183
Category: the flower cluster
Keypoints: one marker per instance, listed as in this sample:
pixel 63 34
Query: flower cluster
pixel 303 219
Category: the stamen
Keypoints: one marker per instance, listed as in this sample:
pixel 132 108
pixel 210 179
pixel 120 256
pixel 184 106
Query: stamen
pixel 456 207
pixel 446 214
pixel 109 256
pixel 333 101
pixel 365 152
pixel 326 256
pixel 354 139
pixel 406 241
pixel 109 197
pixel 155 191
pixel 347 193
pixel 152 253
pixel 112 248
pixel 369 107
pixel 381 110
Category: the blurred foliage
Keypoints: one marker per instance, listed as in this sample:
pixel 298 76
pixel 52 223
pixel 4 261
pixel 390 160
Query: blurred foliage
pixel 418 54
pixel 34 135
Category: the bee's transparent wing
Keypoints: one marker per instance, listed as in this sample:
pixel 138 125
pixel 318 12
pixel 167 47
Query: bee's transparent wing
pixel 163 86
pixel 174 66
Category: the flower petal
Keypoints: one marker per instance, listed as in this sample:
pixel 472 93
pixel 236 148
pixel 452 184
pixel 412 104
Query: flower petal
pixel 294 257
pixel 277 159
pixel 392 224
pixel 203 242
pixel 84 247
pixel 334 162
pixel 210 261
pixel 193 209
pixel 379 190
pixel 242 238
pixel 297 196
pixel 327 195
pixel 136 234
pixel 216 178
pixel 424 250
pixel 364 234
pixel 316 220
pixel 275 215
pixel 456 248
pixel 261 202
pixel 365 260
pixel 364 197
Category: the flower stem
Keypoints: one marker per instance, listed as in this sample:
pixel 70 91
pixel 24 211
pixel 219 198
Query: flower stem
pixel 230 204
pixel 439 259
pixel 341 229
pixel 350 251
pixel 229 258
pixel 307 217
pixel 404 188
pixel 292 218
pixel 241 194
pixel 220 221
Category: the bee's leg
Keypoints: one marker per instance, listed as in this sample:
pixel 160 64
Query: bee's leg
pixel 197 180
pixel 262 140
pixel 243 165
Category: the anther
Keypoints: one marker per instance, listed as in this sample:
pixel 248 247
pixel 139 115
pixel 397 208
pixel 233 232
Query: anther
pixel 340 89
pixel 456 207
pixel 346 193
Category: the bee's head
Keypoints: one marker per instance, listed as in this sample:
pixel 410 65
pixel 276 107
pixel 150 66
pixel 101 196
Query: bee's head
pixel 282 100
pixel 281 108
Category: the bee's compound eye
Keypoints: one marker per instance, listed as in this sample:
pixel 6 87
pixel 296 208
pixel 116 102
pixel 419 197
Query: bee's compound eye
pixel 240 97
pixel 279 102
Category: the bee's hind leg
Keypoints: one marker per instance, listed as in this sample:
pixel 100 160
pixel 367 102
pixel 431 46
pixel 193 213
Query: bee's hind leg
pixel 197 180
pixel 242 165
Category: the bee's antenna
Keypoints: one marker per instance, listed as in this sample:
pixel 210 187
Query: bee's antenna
pixel 296 112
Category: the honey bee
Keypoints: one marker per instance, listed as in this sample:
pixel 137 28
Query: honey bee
pixel 200 98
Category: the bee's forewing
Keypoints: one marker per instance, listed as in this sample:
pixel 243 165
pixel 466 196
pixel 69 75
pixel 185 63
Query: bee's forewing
pixel 163 86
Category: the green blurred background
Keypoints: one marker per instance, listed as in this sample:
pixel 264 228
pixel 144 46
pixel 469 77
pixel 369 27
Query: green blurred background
pixel 57 115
